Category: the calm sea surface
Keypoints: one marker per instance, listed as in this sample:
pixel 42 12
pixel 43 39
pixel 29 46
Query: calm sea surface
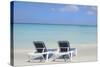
pixel 25 34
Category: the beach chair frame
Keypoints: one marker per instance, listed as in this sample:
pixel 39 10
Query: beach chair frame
pixel 69 52
pixel 36 53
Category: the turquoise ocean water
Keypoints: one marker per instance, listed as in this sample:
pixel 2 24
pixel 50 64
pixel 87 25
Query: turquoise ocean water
pixel 25 34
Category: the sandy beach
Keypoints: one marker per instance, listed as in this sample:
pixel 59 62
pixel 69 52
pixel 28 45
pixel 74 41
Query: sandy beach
pixel 85 53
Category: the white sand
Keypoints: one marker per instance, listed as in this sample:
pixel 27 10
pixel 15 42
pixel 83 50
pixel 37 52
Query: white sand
pixel 85 53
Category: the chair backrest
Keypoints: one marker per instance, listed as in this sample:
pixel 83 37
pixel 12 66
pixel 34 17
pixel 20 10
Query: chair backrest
pixel 40 46
pixel 64 46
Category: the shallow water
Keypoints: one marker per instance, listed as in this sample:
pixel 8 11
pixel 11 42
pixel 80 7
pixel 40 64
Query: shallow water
pixel 25 34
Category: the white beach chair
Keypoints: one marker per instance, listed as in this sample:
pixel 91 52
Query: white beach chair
pixel 65 51
pixel 40 51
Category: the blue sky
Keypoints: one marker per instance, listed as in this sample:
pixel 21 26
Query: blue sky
pixel 32 12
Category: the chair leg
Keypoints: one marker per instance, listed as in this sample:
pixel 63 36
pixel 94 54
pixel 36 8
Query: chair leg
pixel 65 58
pixel 70 56
pixel 47 56
pixel 54 57
pixel 29 58
pixel 75 52
pixel 43 59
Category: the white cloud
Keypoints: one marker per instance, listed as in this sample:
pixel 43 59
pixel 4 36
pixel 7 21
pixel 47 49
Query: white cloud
pixel 67 8
pixel 70 8
pixel 90 13
pixel 53 9
pixel 92 10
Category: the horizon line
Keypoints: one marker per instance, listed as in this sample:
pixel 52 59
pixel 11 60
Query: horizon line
pixel 57 24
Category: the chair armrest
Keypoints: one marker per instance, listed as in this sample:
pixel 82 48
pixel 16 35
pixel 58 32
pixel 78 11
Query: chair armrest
pixel 74 51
